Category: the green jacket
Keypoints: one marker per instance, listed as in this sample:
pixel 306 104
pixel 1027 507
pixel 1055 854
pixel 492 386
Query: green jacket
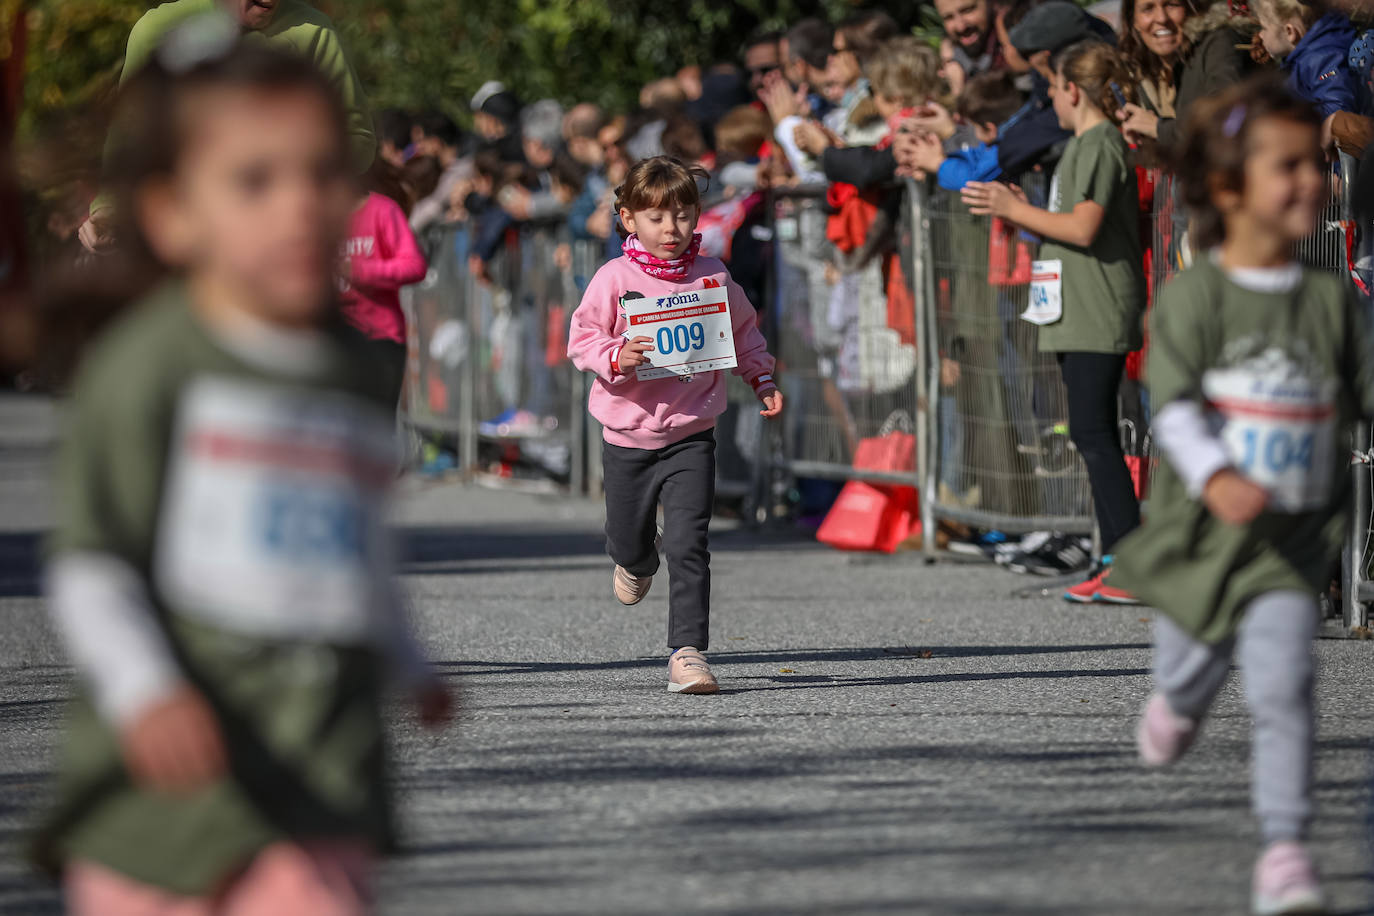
pixel 1199 571
pixel 297 26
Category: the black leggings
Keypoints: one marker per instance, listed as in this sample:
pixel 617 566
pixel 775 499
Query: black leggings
pixel 1091 381
pixel 682 477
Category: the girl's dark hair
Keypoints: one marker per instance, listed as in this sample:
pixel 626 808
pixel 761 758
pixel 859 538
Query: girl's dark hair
pixel 660 182
pixel 568 172
pixel 1093 66
pixel 1144 63
pixel 1217 142
pixel 385 179
pixel 990 98
pixel 421 175
pixel 155 114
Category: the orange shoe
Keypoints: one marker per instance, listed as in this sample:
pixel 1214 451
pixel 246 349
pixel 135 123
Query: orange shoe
pixel 1097 590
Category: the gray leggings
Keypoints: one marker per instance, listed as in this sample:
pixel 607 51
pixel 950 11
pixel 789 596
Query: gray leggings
pixel 1274 646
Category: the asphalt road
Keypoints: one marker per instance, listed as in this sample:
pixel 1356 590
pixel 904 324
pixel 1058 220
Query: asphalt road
pixel 891 738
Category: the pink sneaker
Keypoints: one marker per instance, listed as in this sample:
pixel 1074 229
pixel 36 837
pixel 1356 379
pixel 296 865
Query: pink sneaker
pixel 689 673
pixel 1286 882
pixel 1163 735
pixel 630 589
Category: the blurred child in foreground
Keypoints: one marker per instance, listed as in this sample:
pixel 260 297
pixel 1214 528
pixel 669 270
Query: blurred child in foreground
pixel 219 571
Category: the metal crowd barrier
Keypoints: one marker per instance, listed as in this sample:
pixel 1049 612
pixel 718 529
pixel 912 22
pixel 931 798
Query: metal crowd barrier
pixel 848 374
pixel 488 367
pixel 1000 455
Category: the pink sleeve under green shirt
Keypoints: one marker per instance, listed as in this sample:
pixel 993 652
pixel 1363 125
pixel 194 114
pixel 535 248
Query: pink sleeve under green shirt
pixel 380 256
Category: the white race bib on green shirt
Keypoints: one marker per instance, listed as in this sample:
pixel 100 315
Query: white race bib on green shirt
pixel 1046 304
pixel 1279 427
pixel 271 522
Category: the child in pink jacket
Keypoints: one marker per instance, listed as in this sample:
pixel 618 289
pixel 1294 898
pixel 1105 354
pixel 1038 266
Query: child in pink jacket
pixel 660 444
pixel 380 256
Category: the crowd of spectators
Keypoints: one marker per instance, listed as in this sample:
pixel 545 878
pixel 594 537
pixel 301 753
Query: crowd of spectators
pixel 854 107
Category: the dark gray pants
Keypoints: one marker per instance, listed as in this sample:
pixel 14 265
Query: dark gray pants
pixel 682 477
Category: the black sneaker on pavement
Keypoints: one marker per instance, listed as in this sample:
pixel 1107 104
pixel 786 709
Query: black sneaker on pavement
pixel 1059 555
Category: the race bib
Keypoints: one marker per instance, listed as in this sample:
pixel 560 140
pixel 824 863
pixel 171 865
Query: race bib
pixel 272 520
pixel 691 332
pixel 1279 429
pixel 1046 305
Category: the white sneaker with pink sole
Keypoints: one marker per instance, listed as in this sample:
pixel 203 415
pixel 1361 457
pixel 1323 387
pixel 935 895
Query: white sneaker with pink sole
pixel 689 673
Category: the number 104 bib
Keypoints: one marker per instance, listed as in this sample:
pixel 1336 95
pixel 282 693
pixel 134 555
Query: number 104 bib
pixel 691 332
pixel 1279 427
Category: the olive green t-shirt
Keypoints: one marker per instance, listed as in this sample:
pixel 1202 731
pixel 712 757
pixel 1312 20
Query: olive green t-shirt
pixel 1281 375
pixel 243 497
pixel 1103 284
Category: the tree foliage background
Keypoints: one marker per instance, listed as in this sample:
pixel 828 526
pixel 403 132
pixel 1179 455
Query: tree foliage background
pixel 435 53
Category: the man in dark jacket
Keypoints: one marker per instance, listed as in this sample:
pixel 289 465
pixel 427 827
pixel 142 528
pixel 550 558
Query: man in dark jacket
pixel 1035 137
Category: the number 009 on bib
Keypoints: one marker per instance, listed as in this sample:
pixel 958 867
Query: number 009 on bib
pixel 691 332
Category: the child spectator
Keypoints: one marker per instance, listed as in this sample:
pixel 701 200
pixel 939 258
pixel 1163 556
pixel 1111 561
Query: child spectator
pixel 380 256
pixel 443 140
pixel 1314 50
pixel 393 136
pixel 856 40
pixel 740 137
pixel 421 176
pixel 219 570
pixel 1090 297
pixel 987 106
pixel 682 139
pixel 903 74
pixel 567 178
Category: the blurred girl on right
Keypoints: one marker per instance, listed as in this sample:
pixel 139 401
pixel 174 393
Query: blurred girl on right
pixel 1257 364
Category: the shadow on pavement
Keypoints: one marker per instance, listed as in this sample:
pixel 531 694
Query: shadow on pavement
pixel 20 564
pixel 437 545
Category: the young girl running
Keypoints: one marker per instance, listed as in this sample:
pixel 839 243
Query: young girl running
pixel 1257 364
pixel 1089 294
pixel 219 570
pixel 660 445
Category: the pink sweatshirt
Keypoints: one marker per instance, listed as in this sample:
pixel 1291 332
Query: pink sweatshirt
pixel 658 412
pixel 380 256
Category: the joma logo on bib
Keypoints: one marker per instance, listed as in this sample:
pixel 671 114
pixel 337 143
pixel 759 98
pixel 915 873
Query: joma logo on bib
pixel 683 299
